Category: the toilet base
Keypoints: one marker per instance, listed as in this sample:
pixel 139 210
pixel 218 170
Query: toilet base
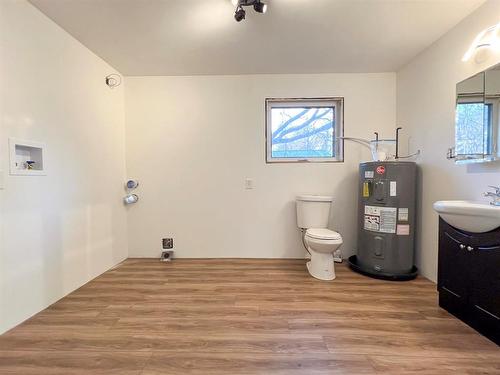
pixel 321 266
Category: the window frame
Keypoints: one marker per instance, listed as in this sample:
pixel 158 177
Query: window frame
pixel 338 144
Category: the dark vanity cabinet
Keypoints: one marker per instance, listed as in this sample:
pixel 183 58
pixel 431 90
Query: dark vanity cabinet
pixel 469 277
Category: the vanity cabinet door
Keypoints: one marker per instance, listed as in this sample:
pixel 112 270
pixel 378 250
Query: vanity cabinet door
pixel 469 278
pixel 453 278
pixel 484 295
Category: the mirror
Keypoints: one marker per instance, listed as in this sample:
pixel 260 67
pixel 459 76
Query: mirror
pixel 477 117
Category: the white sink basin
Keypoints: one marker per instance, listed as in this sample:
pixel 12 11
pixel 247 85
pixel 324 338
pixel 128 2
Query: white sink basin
pixel 476 217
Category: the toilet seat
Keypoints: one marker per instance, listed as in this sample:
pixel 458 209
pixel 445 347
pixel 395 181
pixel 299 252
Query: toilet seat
pixel 323 234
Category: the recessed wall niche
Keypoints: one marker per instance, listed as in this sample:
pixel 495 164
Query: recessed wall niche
pixel 26 157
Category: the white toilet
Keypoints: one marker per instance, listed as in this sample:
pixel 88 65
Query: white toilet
pixel 313 212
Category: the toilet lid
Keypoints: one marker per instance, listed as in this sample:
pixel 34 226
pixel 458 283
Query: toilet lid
pixel 323 234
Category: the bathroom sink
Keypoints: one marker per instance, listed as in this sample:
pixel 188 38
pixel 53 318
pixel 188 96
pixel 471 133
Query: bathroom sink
pixel 475 217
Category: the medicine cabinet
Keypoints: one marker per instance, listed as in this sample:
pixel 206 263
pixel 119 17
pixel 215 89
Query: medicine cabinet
pixel 477 120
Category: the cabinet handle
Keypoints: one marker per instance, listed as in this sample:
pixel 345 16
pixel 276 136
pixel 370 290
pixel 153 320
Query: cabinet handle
pixel 470 248
pixel 462 246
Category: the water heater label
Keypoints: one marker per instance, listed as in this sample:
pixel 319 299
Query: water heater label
pixel 388 219
pixel 369 174
pixel 372 223
pixel 380 219
pixel 403 214
pixel 366 189
pixel 403 230
pixel 393 188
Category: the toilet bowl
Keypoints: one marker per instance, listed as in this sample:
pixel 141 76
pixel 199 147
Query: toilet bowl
pixel 321 244
pixel 313 212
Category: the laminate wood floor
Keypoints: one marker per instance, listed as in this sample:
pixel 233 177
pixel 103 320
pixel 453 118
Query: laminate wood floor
pixel 245 317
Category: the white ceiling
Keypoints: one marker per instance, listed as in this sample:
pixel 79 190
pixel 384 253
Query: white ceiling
pixel 188 37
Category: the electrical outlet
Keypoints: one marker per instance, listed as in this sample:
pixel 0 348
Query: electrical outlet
pixel 168 243
pixel 249 183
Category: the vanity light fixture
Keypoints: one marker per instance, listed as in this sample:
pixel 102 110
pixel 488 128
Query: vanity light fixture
pixel 240 13
pixel 487 38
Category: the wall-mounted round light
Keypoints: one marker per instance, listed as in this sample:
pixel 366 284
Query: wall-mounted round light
pixel 131 199
pixel 113 80
pixel 132 184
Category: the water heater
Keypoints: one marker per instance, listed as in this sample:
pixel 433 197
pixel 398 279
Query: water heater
pixel 386 220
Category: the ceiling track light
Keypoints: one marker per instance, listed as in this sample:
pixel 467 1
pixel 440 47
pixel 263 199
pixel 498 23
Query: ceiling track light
pixel 240 13
pixel 260 7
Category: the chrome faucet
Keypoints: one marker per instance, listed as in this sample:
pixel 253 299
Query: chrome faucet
pixel 496 195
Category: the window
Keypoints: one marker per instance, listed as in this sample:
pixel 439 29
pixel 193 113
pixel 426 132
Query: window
pixel 473 128
pixel 307 130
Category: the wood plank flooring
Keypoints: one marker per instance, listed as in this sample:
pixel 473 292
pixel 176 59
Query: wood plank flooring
pixel 245 317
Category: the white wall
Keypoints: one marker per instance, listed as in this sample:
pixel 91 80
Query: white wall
pixel 61 230
pixel 192 141
pixel 426 108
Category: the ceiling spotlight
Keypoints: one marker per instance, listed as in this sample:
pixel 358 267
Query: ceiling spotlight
pixel 239 14
pixel 260 7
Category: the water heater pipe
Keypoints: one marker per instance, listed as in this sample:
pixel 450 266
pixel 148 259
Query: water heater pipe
pixel 397 141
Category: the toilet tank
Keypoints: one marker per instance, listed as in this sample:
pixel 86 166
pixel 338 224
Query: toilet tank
pixel 313 211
